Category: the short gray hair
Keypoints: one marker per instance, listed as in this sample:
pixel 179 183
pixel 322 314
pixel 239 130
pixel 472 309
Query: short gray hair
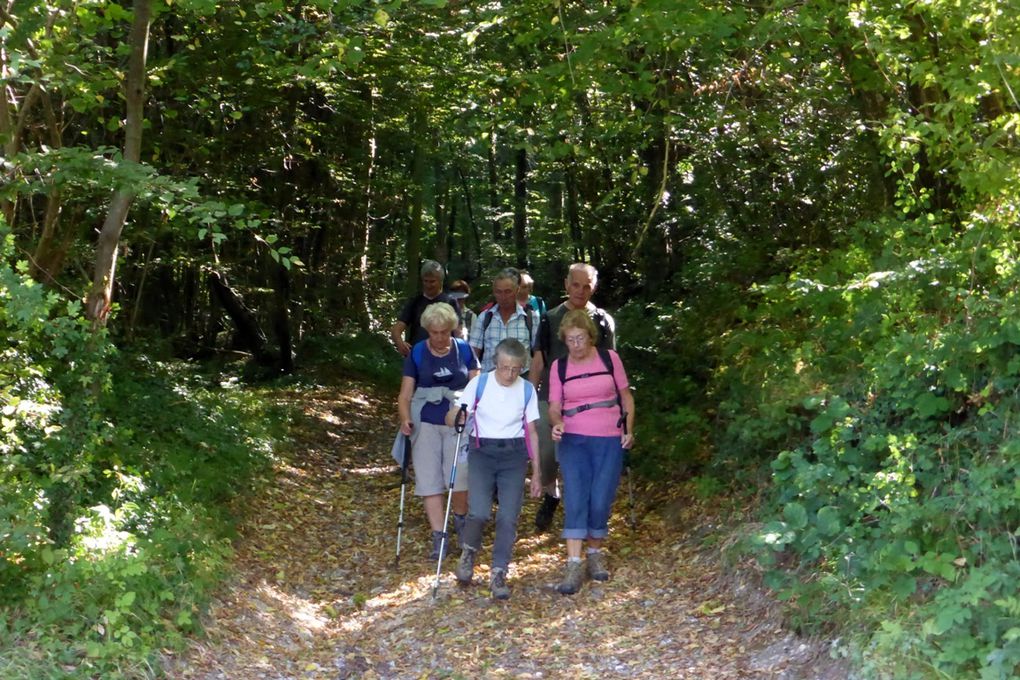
pixel 512 349
pixel 592 273
pixel 439 315
pixel 430 267
pixel 509 274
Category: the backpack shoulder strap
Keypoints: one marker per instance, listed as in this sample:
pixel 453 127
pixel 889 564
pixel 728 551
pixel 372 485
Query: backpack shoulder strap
pixel 479 389
pixel 487 320
pixel 465 351
pixel 607 360
pixel 416 354
pixel 599 317
pixel 544 334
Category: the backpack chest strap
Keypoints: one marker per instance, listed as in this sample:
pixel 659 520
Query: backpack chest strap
pixel 608 403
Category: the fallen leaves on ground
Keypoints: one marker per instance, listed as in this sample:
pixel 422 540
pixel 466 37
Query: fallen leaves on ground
pixel 317 593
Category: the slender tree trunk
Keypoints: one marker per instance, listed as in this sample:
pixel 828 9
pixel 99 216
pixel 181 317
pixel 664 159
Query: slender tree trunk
pixel 521 208
pixel 101 296
pixel 473 223
pixel 10 144
pixel 417 206
pixel 442 202
pixel 493 187
pixel 281 319
pixel 365 311
pixel 574 211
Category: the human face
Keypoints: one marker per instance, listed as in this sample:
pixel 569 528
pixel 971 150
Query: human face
pixel 524 292
pixel 578 343
pixel 431 285
pixel 579 289
pixel 505 292
pixel 507 370
pixel 439 338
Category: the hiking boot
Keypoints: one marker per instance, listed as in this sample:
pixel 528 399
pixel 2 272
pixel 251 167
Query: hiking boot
pixel 437 543
pixel 544 516
pixel 497 585
pixel 597 569
pixel 465 566
pixel 573 577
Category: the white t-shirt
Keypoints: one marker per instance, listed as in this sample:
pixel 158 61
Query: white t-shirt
pixel 499 411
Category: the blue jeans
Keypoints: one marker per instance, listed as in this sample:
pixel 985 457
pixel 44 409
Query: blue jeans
pixel 591 468
pixel 497 465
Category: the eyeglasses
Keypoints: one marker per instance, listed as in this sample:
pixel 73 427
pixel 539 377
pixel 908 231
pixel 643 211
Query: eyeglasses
pixel 512 370
pixel 575 339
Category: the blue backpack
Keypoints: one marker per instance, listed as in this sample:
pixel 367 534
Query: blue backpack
pixel 464 349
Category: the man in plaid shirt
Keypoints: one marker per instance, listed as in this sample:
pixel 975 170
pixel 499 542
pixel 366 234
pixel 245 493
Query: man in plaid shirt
pixel 505 319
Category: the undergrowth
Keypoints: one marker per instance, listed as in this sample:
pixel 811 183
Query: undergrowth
pixel 881 385
pixel 120 477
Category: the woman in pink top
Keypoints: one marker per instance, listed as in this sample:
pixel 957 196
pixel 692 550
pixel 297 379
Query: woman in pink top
pixel 591 411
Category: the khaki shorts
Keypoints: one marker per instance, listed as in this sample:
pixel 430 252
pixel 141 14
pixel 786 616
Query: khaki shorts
pixel 433 448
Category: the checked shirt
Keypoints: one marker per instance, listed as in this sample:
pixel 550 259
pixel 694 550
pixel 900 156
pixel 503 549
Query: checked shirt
pixel 516 327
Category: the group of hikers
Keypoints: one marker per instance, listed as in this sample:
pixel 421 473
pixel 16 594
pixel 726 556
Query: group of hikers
pixel 526 387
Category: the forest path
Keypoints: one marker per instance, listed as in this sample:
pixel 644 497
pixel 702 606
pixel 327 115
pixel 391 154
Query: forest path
pixel 316 595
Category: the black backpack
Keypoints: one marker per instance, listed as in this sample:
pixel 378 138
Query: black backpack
pixel 607 361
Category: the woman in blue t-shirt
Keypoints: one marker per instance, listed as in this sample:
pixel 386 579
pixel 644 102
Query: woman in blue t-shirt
pixel 435 371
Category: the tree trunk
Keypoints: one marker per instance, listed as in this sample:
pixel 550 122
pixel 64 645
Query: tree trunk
pixel 249 331
pixel 365 310
pixel 281 319
pixel 493 187
pixel 6 130
pixel 417 206
pixel 521 208
pixel 101 296
pixel 474 225
pixel 574 211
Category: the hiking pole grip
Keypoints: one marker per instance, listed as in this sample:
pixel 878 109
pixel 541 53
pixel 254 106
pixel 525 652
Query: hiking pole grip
pixel 461 420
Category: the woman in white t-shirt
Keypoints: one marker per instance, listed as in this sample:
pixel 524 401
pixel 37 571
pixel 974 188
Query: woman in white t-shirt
pixel 502 440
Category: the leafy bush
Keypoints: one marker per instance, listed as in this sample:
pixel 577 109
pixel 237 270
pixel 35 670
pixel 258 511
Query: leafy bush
pixel 896 493
pixel 119 476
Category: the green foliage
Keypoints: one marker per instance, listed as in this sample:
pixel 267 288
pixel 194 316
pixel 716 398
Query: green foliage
pixel 368 356
pixel 118 479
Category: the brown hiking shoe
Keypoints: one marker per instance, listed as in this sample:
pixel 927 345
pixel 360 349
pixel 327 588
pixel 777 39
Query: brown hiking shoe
pixel 497 584
pixel 573 577
pixel 465 566
pixel 597 569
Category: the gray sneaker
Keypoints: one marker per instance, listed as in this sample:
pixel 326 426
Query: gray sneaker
pixel 597 570
pixel 497 584
pixel 573 577
pixel 465 566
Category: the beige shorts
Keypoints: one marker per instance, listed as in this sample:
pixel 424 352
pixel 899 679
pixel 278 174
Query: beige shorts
pixel 433 448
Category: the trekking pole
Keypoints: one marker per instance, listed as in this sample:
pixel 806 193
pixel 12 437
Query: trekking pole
pixel 458 426
pixel 403 488
pixel 630 474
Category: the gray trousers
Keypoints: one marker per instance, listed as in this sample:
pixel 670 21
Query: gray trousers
pixel 498 465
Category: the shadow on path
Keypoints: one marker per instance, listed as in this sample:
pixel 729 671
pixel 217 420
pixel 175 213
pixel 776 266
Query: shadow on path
pixel 316 593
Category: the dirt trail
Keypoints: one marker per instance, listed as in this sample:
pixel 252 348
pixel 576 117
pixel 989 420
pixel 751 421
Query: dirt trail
pixel 316 594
